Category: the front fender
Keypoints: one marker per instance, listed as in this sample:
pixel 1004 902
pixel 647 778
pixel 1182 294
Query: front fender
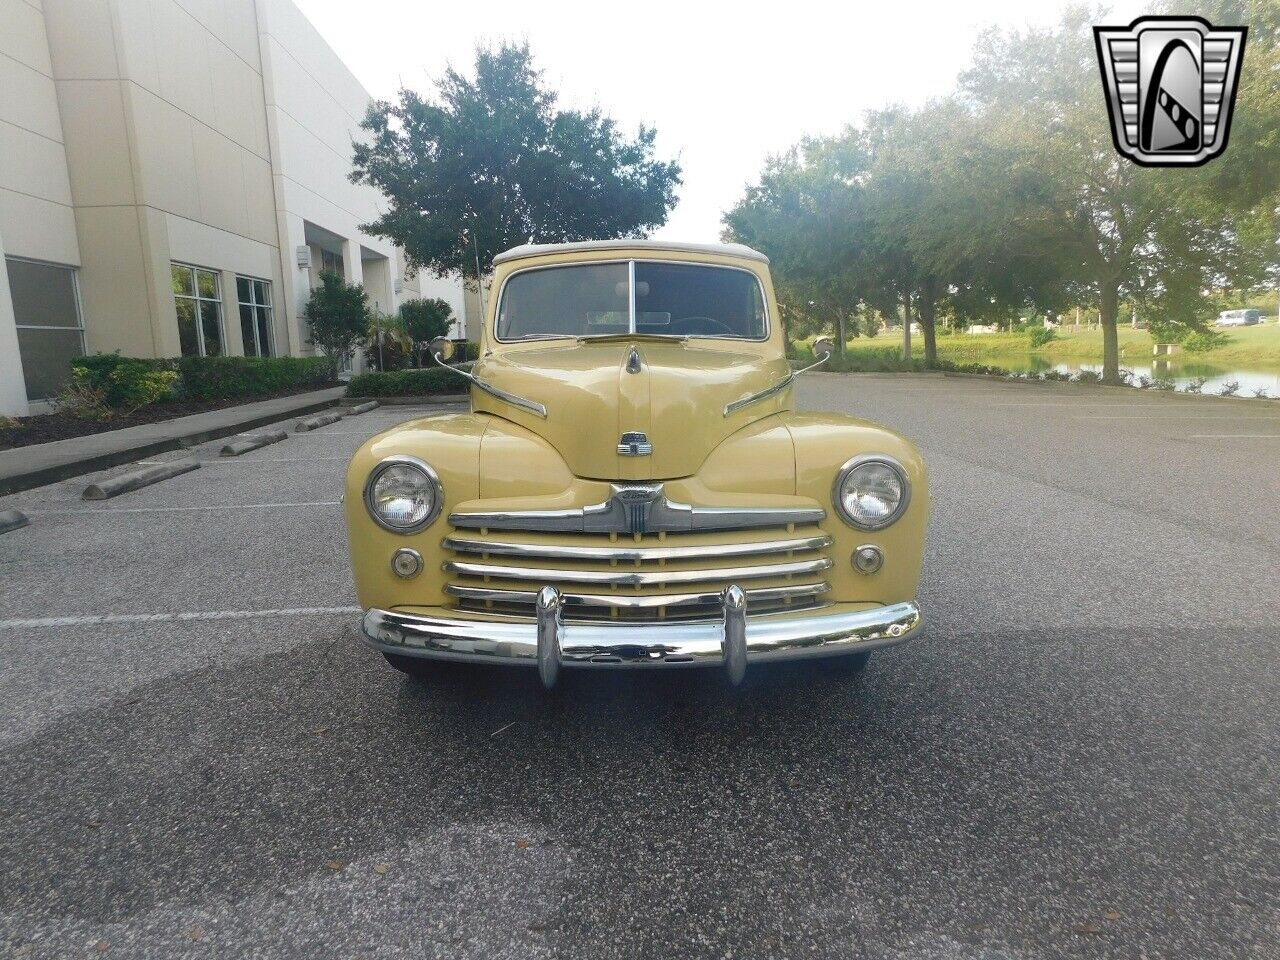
pixel 823 443
pixel 450 443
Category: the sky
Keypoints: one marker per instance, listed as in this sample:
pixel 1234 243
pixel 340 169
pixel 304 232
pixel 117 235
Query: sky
pixel 725 84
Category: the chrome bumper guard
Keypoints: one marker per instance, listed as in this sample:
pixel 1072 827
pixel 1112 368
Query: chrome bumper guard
pixel 733 641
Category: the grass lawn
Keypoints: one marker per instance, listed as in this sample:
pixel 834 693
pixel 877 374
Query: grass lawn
pixel 1254 348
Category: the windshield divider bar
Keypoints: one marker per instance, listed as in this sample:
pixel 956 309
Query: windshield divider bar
pixel 631 307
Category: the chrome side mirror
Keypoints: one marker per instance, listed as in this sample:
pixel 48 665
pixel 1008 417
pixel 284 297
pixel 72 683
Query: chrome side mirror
pixel 823 348
pixel 441 348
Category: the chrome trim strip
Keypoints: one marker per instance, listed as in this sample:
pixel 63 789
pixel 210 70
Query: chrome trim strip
pixel 636 601
pixel 638 508
pixel 767 392
pixel 769 637
pixel 557 551
pixel 532 406
pixel 636 578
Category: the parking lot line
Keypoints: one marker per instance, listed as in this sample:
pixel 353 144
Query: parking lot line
pixel 1235 436
pixel 183 616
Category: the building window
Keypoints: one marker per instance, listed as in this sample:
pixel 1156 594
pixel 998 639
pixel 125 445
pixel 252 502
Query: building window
pixel 331 262
pixel 198 298
pixel 46 309
pixel 254 297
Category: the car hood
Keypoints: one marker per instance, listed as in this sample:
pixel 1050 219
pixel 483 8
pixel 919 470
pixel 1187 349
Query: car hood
pixel 674 392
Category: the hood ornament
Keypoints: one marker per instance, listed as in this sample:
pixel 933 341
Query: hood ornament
pixel 633 361
pixel 634 444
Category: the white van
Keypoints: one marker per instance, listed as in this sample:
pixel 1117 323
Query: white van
pixel 1238 318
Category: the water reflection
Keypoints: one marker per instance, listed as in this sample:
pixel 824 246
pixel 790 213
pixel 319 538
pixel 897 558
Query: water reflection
pixel 1181 372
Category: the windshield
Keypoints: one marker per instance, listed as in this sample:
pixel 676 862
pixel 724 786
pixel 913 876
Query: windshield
pixel 594 300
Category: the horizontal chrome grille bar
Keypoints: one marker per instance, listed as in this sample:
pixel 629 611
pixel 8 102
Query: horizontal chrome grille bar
pixel 636 578
pixel 631 554
pixel 632 602
pixel 637 508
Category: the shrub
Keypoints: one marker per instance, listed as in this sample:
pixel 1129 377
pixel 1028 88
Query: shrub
pixel 1202 341
pixel 1229 389
pixel 125 383
pixel 1040 336
pixel 1057 375
pixel 1261 394
pixel 1162 383
pixel 1087 376
pixel 226 378
pixel 391 356
pixel 339 315
pixel 407 383
pixel 1196 385
pixel 424 320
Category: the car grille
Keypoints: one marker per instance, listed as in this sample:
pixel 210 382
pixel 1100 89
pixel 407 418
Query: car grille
pixel 634 576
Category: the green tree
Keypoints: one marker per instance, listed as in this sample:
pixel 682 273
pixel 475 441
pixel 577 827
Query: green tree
pixel 424 320
pixel 492 162
pixel 806 215
pixel 339 316
pixel 1115 230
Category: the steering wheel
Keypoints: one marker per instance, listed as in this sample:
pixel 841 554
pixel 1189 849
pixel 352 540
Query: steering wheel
pixel 703 323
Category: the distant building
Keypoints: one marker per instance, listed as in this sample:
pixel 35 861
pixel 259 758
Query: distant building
pixel 174 180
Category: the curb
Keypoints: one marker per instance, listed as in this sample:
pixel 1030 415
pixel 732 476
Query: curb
pixel 15 483
pixel 315 423
pixel 360 408
pixel 137 479
pixel 410 401
pixel 237 447
pixel 12 520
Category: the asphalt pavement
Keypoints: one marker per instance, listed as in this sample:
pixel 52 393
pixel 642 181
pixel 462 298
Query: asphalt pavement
pixel 1081 757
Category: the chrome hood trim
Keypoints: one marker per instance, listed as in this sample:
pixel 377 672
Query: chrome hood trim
pixel 637 508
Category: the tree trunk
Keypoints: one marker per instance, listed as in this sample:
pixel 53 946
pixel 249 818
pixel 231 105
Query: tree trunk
pixel 840 335
pixel 1108 309
pixel 906 326
pixel 928 310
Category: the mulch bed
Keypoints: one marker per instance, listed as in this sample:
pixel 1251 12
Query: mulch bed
pixel 45 428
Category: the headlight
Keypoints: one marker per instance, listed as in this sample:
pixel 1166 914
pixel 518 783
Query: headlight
pixel 871 491
pixel 403 494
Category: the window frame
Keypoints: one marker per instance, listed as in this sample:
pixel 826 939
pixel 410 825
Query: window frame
pixel 269 306
pixel 75 293
pixel 197 299
pixel 631 297
pixel 74 270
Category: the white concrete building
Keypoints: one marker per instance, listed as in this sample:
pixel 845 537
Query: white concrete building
pixel 175 178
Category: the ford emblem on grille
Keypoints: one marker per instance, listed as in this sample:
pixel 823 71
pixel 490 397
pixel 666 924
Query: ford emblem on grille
pixel 634 444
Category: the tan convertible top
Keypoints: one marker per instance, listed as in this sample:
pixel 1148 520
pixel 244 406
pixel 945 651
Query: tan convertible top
pixel 538 249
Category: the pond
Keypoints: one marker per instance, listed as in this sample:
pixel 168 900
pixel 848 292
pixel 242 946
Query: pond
pixel 1180 371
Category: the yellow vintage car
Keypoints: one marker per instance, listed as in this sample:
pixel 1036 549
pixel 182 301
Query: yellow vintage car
pixel 633 486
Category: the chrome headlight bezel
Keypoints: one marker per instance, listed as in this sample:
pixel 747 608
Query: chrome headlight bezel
pixel 403 460
pixel 837 500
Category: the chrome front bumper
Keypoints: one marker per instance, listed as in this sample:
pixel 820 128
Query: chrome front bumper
pixel 732 641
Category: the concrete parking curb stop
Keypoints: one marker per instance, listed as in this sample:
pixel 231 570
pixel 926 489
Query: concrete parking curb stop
pixel 363 408
pixel 315 423
pixel 245 444
pixel 420 400
pixel 136 479
pixel 23 468
pixel 12 520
